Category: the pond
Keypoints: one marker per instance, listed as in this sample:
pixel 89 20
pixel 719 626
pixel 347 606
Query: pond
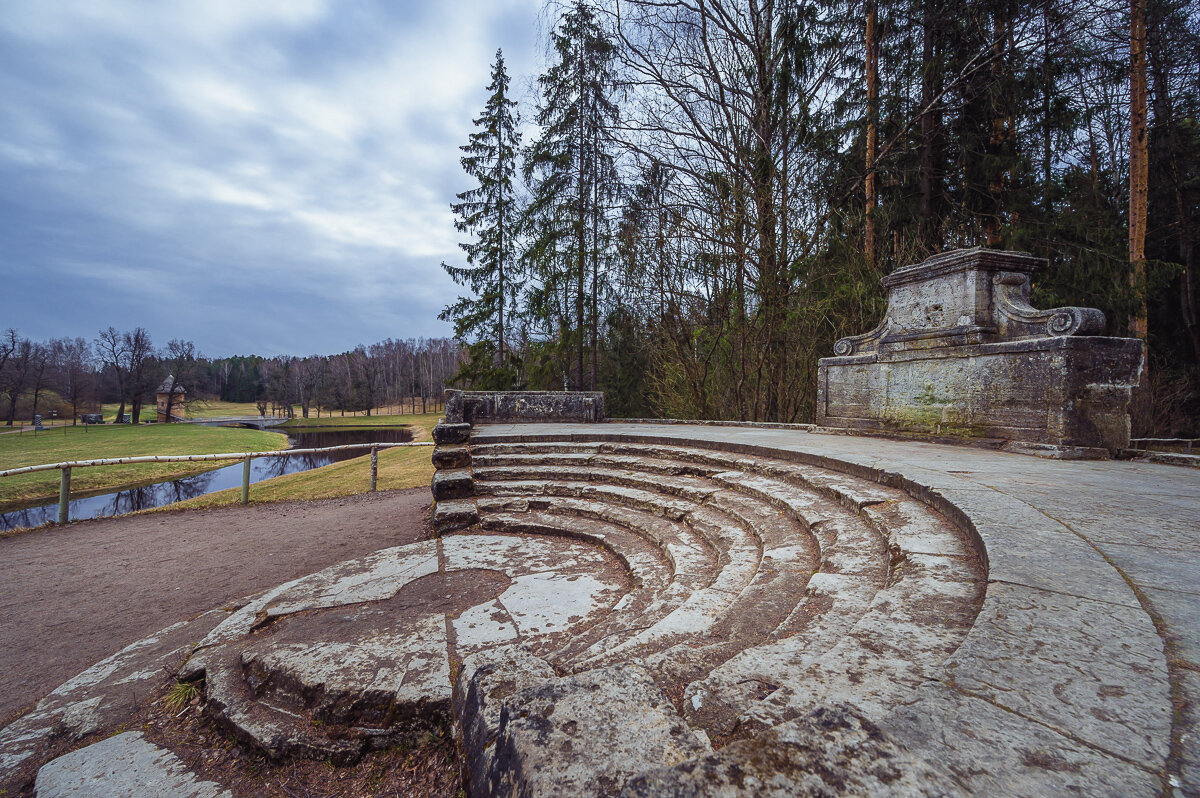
pixel 230 476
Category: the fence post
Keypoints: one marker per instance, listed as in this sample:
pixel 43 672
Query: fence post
pixel 64 496
pixel 374 467
pixel 246 480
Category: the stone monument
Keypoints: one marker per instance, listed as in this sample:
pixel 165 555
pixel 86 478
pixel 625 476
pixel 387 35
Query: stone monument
pixel 960 353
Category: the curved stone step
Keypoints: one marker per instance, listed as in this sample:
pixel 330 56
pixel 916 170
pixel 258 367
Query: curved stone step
pixel 359 656
pixel 692 558
pixel 894 588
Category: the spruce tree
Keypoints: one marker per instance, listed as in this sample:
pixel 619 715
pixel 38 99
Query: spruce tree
pixel 489 213
pixel 572 176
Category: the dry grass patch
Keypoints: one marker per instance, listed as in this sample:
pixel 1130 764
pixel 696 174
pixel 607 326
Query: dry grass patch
pixel 399 468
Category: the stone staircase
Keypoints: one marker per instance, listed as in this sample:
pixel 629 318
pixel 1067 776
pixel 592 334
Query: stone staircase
pixel 760 587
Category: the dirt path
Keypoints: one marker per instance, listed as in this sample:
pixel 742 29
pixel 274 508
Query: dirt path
pixel 70 597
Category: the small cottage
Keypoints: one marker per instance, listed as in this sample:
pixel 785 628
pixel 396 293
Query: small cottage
pixel 178 403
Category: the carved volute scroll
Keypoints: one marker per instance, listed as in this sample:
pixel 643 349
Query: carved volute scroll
pixel 1016 318
pixel 965 297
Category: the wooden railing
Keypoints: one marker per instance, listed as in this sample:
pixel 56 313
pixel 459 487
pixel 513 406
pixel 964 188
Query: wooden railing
pixel 64 489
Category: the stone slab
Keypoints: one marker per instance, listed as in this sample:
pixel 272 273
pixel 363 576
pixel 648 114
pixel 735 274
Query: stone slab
pixel 100 698
pixel 1093 671
pixel 831 751
pixel 124 766
pixel 586 735
pixel 1180 614
pixel 995 751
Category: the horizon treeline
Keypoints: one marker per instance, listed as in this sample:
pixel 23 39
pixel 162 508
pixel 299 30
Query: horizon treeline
pixel 69 376
pixel 709 193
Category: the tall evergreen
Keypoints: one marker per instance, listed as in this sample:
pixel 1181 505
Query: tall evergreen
pixel 489 213
pixel 572 176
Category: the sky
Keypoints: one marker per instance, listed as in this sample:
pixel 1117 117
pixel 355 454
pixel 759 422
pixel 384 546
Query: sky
pixel 256 176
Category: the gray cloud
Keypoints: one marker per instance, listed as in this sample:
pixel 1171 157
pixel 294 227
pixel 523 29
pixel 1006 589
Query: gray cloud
pixel 269 177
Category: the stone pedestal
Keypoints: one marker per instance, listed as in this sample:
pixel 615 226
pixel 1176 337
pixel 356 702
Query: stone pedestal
pixel 960 353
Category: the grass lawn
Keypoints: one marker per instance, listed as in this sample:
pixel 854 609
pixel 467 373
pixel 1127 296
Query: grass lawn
pixel 92 443
pixel 402 467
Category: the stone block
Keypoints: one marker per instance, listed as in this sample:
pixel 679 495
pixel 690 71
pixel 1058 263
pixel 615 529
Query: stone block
pixel 508 407
pixel 453 484
pixel 451 457
pixel 486 680
pixel 123 765
pixel 451 515
pixel 831 751
pixel 588 734
pixel 451 434
pixel 960 353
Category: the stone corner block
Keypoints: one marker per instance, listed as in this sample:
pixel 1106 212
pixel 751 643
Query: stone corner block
pixel 446 457
pixel 454 484
pixel 587 734
pixel 450 434
pixel 451 515
pixel 485 681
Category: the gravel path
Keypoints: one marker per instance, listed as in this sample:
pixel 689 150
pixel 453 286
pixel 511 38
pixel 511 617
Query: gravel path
pixel 70 597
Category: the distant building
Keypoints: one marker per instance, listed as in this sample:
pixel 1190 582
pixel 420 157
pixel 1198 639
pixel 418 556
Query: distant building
pixel 178 404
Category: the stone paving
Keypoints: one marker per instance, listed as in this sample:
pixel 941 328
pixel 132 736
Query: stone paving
pixel 661 609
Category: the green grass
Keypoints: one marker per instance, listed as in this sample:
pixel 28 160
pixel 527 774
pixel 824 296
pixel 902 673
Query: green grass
pixel 93 443
pixel 399 468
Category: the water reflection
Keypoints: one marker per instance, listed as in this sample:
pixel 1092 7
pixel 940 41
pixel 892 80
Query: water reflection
pixel 177 490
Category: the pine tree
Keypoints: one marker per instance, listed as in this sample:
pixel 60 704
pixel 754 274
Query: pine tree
pixel 572 174
pixel 489 213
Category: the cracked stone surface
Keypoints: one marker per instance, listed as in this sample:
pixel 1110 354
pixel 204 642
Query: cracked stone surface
pixel 1094 670
pixel 358 656
pixel 586 735
pixel 830 751
pixel 100 698
pixel 124 765
pixel 1064 682
pixel 993 624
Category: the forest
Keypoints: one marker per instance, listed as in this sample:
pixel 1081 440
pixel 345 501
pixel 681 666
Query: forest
pixel 68 376
pixel 701 196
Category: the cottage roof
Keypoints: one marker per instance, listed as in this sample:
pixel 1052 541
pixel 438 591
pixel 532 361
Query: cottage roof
pixel 166 385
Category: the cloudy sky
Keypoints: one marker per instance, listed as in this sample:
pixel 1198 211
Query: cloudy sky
pixel 268 176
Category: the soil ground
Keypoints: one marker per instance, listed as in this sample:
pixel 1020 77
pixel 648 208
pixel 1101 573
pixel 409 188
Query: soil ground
pixel 72 596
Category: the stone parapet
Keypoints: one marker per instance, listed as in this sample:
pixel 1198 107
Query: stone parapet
pixel 960 353
pixel 453 482
pixel 508 407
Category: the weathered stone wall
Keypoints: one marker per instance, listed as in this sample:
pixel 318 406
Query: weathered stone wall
pixel 961 353
pixel 507 407
pixel 452 484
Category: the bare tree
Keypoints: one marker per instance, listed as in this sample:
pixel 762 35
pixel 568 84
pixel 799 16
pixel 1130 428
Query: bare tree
pixel 16 374
pixel 73 363
pixel 139 357
pixel 179 359
pixel 39 371
pixel 110 347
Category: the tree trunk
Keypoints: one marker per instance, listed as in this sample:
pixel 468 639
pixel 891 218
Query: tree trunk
pixel 930 168
pixel 872 46
pixel 580 224
pixel 1139 164
pixel 1001 124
